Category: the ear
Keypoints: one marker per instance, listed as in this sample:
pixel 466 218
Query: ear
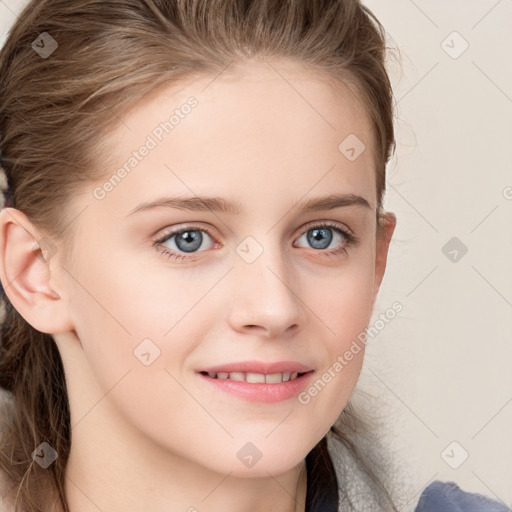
pixel 25 273
pixel 388 224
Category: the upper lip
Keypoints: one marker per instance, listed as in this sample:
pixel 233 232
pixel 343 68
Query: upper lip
pixel 259 367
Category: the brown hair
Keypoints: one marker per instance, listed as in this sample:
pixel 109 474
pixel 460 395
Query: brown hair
pixel 56 111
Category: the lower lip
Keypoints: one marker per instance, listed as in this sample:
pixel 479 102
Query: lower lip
pixel 261 392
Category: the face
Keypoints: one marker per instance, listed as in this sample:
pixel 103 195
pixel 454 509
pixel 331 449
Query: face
pixel 159 294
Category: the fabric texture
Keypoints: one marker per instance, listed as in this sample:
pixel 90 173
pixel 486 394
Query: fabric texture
pixel 356 491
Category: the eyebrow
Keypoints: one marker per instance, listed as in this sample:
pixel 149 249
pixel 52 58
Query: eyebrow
pixel 219 204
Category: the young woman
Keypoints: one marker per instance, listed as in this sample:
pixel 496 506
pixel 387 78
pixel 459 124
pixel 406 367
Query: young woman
pixel 144 374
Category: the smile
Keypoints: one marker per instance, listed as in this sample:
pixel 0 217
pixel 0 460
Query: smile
pixel 258 387
pixel 255 378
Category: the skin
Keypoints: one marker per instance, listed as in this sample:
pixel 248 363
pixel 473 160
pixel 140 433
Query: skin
pixel 156 437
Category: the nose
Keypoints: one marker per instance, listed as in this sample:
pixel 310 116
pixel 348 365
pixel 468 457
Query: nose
pixel 266 296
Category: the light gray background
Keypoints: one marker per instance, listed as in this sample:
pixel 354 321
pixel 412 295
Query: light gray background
pixel 442 368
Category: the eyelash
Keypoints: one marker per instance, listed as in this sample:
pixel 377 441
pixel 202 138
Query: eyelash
pixel 350 238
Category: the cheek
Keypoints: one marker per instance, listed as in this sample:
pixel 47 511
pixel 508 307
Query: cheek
pixel 342 311
pixel 131 366
pixel 342 298
pixel 121 318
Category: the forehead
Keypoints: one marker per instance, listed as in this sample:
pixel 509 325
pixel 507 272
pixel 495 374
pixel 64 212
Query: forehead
pixel 273 127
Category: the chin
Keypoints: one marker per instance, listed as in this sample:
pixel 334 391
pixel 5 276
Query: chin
pixel 253 459
pixel 263 468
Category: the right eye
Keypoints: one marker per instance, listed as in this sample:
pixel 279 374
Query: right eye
pixel 188 240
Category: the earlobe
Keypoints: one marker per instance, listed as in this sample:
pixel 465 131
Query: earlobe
pixel 25 274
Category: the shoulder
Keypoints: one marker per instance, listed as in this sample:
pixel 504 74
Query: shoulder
pixel 448 497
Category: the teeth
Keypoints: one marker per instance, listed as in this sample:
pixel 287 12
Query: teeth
pixel 274 378
pixel 255 378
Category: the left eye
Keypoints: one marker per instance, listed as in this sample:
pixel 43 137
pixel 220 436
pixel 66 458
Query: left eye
pixel 320 236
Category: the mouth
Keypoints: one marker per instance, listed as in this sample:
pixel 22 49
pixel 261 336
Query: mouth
pixel 257 387
pixel 255 378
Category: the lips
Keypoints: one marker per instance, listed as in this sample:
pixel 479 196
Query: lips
pixel 267 385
